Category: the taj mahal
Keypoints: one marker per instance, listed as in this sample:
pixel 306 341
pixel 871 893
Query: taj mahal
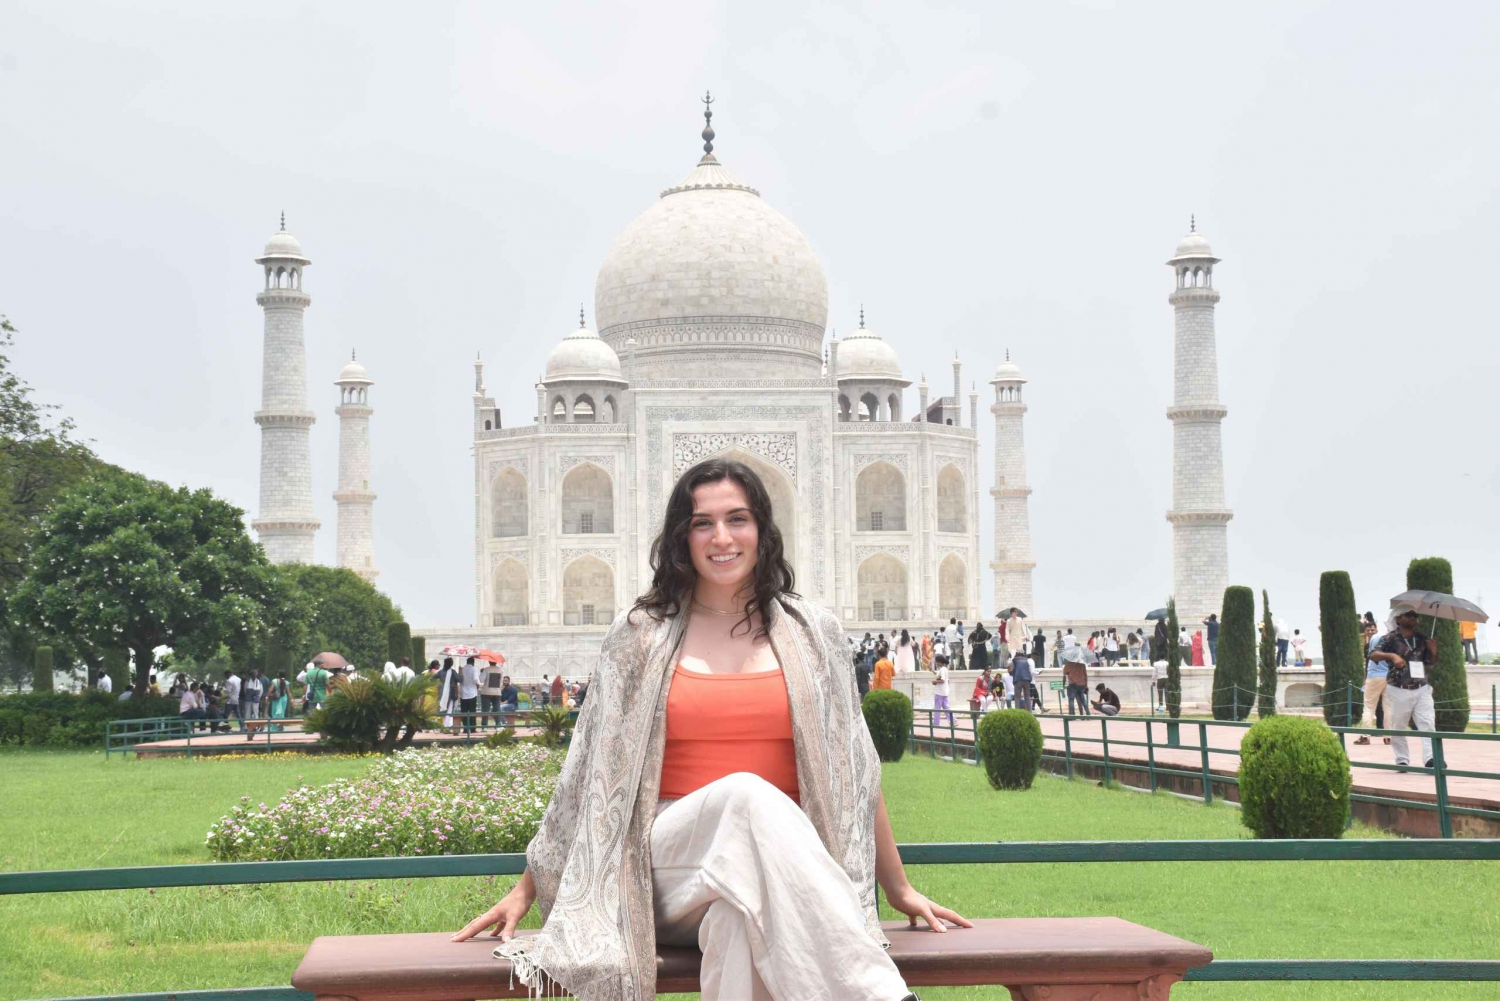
pixel 710 311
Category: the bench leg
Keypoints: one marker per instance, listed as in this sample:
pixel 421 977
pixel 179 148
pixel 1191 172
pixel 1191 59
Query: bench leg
pixel 1155 988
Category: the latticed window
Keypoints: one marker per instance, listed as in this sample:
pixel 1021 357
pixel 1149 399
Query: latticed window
pixel 586 523
pixel 877 521
pixel 877 610
pixel 586 612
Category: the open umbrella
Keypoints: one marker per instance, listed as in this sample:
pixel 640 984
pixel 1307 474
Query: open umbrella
pixel 493 656
pixel 1010 613
pixel 1159 615
pixel 328 660
pixel 460 650
pixel 1440 606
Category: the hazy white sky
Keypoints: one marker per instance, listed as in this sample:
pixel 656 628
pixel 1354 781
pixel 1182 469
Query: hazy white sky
pixel 980 176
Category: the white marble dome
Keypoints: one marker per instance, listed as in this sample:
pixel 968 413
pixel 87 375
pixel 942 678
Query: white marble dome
pixel 582 355
pixel 1008 371
pixel 353 372
pixel 1195 244
pixel 283 244
pixel 865 355
pixel 708 265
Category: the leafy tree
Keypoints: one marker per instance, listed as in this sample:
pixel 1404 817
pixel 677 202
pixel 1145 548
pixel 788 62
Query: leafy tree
pixel 1174 661
pixel 121 560
pixel 337 610
pixel 1449 677
pixel 1343 650
pixel 1234 668
pixel 397 641
pixel 1265 692
pixel 41 681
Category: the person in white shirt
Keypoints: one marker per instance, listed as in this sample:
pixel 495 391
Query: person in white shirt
pixel 1299 647
pixel 940 694
pixel 468 693
pixel 104 684
pixel 1283 640
pixel 232 698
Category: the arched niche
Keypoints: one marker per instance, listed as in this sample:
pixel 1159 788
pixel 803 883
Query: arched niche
pixel 952 500
pixel 880 499
pixel 508 503
pixel 588 501
pixel 588 592
pixel 608 411
pixel 559 411
pixel 511 594
pixel 953 587
pixel 881 583
pixel 583 409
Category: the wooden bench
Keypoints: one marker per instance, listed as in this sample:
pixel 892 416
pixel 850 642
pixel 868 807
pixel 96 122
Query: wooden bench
pixel 1059 959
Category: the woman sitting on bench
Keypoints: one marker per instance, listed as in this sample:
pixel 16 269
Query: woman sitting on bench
pixel 721 789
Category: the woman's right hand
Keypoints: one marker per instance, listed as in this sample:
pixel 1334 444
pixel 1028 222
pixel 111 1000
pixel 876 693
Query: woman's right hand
pixel 504 916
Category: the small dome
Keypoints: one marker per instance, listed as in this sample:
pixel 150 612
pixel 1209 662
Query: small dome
pixel 582 355
pixel 1008 371
pixel 1193 246
pixel 353 372
pixel 863 355
pixel 283 244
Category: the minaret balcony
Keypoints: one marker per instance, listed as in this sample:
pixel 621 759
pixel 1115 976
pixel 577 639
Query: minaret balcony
pixel 1199 517
pixel 285 418
pixel 1197 412
pixel 283 297
pixel 280 525
pixel 353 496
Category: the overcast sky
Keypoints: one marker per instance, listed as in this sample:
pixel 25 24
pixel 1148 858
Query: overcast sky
pixel 980 178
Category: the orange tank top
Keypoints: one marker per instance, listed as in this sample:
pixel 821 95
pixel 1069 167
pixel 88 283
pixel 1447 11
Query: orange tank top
pixel 719 724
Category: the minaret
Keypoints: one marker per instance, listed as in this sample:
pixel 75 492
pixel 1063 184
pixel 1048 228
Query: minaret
pixel 356 500
pixel 958 400
pixel 286 523
pixel 1013 563
pixel 1199 517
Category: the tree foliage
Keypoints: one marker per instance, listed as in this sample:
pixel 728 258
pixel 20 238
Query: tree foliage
pixel 1174 661
pixel 888 717
pixel 1010 744
pixel 1343 650
pixel 337 610
pixel 1234 665
pixel 121 560
pixel 41 680
pixel 419 652
pixel 1449 677
pixel 1265 692
pixel 1294 780
pixel 397 641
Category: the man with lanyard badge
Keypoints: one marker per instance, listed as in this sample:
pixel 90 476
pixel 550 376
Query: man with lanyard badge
pixel 1408 695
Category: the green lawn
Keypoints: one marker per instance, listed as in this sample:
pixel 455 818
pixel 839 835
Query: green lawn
pixel 69 810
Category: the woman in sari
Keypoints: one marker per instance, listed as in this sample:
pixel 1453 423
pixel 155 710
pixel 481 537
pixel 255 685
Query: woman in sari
pixel 280 697
pixel 721 789
pixel 927 652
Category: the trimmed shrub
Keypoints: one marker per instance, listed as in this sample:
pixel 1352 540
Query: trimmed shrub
pixel 1265 692
pixel 1343 650
pixel 1234 667
pixel 418 652
pixel 1449 677
pixel 1294 780
pixel 1174 661
pixel 61 719
pixel 1010 743
pixel 41 678
pixel 397 642
pixel 888 717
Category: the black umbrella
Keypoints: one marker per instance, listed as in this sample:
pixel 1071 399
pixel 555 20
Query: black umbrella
pixel 1011 613
pixel 1160 615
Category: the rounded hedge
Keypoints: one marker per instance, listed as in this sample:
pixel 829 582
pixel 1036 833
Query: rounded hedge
pixel 1294 780
pixel 888 717
pixel 1010 744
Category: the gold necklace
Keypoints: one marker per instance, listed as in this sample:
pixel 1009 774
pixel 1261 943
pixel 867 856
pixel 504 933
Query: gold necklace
pixel 717 611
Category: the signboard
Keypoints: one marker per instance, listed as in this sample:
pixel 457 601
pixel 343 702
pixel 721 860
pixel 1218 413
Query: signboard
pixel 1056 686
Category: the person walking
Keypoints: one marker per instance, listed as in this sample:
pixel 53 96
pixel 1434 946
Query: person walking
pixel 906 654
pixel 1211 630
pixel 1376 674
pixel 884 670
pixel 1076 675
pixel 279 699
pixel 1283 641
pixel 1409 654
pixel 940 695
pixel 1039 648
pixel 956 654
pixel 468 693
pixel 316 678
pixel 1020 672
pixel 557 689
pixel 250 696
pixel 448 685
pixel 979 643
pixel 862 677
pixel 231 705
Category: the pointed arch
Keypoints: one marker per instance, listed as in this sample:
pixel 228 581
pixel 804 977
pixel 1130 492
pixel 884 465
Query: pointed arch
pixel 953 587
pixel 508 504
pixel 510 594
pixel 952 500
pixel 588 501
pixel 583 409
pixel 880 499
pixel 881 583
pixel 588 592
pixel 559 410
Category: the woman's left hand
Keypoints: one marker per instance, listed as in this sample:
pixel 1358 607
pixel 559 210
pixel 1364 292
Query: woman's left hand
pixel 914 905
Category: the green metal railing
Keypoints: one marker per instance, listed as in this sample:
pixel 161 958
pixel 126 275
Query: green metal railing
pixel 123 735
pixel 960 745
pixel 949 853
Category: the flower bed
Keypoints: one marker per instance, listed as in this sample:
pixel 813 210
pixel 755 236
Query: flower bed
pixel 419 802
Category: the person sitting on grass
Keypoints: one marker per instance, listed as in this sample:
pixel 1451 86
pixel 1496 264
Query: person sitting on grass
pixel 1108 703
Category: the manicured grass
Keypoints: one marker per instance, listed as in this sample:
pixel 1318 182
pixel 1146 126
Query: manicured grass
pixel 76 810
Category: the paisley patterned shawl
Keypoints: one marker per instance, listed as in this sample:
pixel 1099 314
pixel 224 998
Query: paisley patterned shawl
pixel 591 857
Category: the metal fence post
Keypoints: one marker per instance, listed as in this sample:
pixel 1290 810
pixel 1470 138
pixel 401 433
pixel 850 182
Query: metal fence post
pixel 1150 755
pixel 1208 785
pixel 1068 746
pixel 1493 718
pixel 1348 703
pixel 1445 822
pixel 1104 735
pixel 1234 693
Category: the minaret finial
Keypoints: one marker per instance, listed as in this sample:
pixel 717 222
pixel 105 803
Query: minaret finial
pixel 708 123
pixel 352 355
pixel 581 324
pixel 1007 354
pixel 861 316
pixel 283 220
pixel 1193 223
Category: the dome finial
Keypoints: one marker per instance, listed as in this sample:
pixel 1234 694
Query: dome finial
pixel 581 324
pixel 861 316
pixel 352 355
pixel 283 220
pixel 1007 354
pixel 708 123
pixel 1193 223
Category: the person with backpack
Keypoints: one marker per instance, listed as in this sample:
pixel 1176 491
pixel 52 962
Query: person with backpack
pixel 316 678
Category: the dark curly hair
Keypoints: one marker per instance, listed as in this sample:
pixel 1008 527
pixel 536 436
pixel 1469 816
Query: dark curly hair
pixel 672 572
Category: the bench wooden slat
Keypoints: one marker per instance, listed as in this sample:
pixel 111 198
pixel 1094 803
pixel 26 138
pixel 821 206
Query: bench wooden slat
pixel 1015 952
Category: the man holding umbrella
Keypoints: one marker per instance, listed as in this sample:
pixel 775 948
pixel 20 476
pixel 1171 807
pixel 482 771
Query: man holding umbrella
pixel 1408 695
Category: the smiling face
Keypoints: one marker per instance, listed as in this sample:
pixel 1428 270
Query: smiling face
pixel 723 538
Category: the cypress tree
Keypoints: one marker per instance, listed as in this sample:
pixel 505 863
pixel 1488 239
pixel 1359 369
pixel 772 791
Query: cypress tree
pixel 1343 650
pixel 41 678
pixel 1234 668
pixel 1265 692
pixel 1449 677
pixel 117 666
pixel 1174 662
pixel 397 642
pixel 419 652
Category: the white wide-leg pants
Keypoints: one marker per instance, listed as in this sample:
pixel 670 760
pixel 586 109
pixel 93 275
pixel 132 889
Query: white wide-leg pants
pixel 1403 706
pixel 739 871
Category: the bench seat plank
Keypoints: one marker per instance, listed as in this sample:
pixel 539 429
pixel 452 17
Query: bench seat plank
pixel 1014 952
